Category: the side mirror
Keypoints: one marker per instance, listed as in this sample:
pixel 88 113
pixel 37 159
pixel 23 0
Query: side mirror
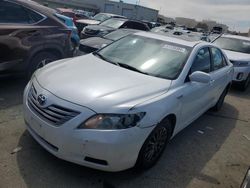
pixel 200 77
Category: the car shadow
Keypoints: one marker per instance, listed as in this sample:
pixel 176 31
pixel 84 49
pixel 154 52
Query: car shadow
pixel 11 91
pixel 183 160
pixel 236 92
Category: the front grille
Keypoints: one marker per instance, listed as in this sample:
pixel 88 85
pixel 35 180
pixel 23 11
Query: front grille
pixel 53 114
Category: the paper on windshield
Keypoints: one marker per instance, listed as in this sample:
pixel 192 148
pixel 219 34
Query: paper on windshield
pixel 174 48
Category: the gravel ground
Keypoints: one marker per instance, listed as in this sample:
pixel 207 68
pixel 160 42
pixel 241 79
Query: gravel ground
pixel 212 152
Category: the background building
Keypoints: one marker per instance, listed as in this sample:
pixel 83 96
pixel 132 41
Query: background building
pixel 131 11
pixel 186 21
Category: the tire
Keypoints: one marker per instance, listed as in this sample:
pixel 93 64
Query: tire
pixel 39 60
pixel 245 84
pixel 154 145
pixel 220 102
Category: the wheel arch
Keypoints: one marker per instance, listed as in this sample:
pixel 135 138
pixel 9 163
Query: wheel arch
pixel 50 49
pixel 172 117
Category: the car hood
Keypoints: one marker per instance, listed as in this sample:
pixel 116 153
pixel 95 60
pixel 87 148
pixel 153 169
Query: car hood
pixel 237 56
pixel 95 42
pixel 88 21
pixel 99 85
pixel 100 27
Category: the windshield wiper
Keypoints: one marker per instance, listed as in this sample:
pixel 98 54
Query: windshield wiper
pixel 119 64
pixel 104 58
pixel 131 68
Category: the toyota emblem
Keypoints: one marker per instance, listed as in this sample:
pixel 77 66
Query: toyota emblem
pixel 41 99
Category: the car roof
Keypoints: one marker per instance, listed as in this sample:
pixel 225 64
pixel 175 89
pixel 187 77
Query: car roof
pixel 112 14
pixel 122 19
pixel 169 39
pixel 65 10
pixel 35 6
pixel 236 37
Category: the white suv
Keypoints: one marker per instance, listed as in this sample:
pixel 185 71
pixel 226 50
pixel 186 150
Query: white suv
pixel 237 49
pixel 118 107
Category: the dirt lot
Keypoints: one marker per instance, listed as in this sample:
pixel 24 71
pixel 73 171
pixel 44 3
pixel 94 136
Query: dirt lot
pixel 212 152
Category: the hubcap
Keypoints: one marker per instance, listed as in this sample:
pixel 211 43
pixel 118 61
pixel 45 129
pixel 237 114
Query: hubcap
pixel 156 144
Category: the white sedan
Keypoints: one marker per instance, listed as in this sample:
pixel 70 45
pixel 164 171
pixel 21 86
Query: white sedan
pixel 237 49
pixel 118 108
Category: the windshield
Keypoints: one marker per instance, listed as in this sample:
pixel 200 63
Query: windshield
pixel 150 56
pixel 114 23
pixel 101 17
pixel 231 44
pixel 118 34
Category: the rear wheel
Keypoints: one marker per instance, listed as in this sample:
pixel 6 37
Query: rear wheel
pixel 154 145
pixel 40 60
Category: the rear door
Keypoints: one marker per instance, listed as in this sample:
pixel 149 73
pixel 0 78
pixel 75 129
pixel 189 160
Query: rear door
pixel 219 74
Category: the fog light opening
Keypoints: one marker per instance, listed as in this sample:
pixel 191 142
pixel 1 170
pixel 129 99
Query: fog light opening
pixel 240 76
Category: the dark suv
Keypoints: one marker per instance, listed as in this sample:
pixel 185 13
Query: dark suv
pixel 30 37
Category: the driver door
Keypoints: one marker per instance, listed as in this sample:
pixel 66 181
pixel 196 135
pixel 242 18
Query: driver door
pixel 197 96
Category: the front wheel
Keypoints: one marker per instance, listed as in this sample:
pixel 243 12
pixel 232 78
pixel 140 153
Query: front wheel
pixel 245 84
pixel 154 145
pixel 40 60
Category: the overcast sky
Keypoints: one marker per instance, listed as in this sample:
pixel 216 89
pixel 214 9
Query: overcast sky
pixel 234 13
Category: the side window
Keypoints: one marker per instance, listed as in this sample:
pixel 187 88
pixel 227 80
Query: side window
pixel 202 61
pixel 34 17
pixel 136 25
pixel 125 25
pixel 14 13
pixel 218 59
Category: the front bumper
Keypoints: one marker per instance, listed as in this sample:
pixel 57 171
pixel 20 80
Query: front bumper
pixel 241 73
pixel 109 150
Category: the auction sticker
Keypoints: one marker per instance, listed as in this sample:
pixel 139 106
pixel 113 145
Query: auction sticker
pixel 174 48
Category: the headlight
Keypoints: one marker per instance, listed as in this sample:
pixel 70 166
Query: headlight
pixel 112 121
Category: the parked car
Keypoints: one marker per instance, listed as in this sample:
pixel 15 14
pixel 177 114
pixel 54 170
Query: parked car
pixel 148 23
pixel 72 14
pixel 118 107
pixel 30 37
pixel 237 49
pixel 95 43
pixel 111 25
pixel 75 39
pixel 97 19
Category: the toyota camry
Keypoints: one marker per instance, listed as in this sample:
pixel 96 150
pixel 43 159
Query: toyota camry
pixel 118 107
